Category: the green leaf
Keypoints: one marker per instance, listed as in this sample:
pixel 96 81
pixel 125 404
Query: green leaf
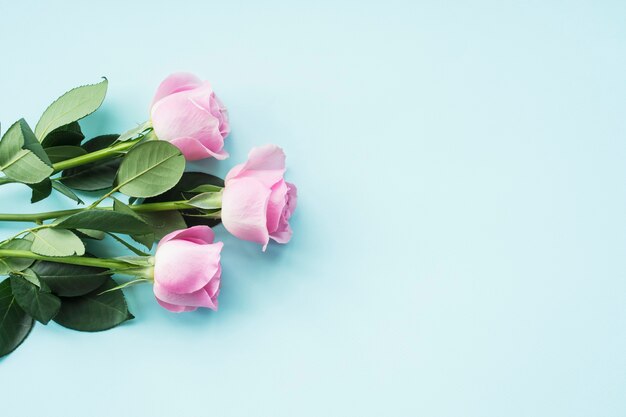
pixel 21 157
pixel 106 221
pixel 96 175
pixel 150 169
pixel 36 301
pixel 146 239
pixel 8 265
pixel 92 177
pixel 99 142
pixel 164 222
pixel 91 234
pixel 66 191
pixel 15 324
pixel 61 153
pixel 70 280
pixel 135 131
pixel 207 188
pixel 41 190
pixel 68 135
pixel 71 106
pixel 184 190
pixel 207 201
pixel 57 242
pixel 94 312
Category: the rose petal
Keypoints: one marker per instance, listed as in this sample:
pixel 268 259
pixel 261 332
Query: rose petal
pixel 182 266
pixel 194 150
pixel 276 205
pixel 196 234
pixel 265 163
pixel 177 82
pixel 244 208
pixel 198 298
pixel 175 309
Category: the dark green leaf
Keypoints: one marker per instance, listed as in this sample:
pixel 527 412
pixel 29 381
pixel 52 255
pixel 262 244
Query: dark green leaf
pixel 105 220
pixel 15 324
pixel 70 280
pixel 68 135
pixel 93 312
pixel 150 168
pixel 164 222
pixel 96 175
pixel 146 239
pixel 188 182
pixel 92 177
pixel 36 301
pixel 41 190
pixel 61 153
pixel 70 107
pixel 99 142
pixel 66 191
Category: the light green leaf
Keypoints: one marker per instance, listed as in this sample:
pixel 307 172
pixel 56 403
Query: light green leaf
pixel 15 324
pixel 57 242
pixel 135 131
pixel 207 201
pixel 36 301
pixel 21 157
pixel 8 265
pixel 149 169
pixel 93 234
pixel 206 188
pixel 71 106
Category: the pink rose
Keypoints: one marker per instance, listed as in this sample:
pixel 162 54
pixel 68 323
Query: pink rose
pixel 257 201
pixel 186 112
pixel 187 270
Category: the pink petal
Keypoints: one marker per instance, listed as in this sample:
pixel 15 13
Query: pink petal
pixel 198 298
pixel 174 308
pixel 265 163
pixel 187 114
pixel 276 205
pixel 181 266
pixel 244 208
pixel 177 82
pixel 213 287
pixel 194 150
pixel 197 234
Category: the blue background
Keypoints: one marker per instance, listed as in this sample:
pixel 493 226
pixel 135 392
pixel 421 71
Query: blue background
pixel 459 241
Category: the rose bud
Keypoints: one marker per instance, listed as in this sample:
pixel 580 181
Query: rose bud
pixel 187 113
pixel 257 202
pixel 187 270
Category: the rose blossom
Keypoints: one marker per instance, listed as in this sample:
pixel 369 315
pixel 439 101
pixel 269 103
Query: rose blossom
pixel 187 113
pixel 257 201
pixel 187 270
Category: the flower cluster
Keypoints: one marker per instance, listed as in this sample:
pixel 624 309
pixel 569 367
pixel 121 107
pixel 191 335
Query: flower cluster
pixel 53 269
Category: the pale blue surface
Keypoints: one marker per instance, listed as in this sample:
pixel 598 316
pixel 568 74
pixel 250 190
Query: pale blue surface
pixel 460 237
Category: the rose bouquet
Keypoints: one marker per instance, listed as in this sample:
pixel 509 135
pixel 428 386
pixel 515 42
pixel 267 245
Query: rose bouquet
pixel 52 272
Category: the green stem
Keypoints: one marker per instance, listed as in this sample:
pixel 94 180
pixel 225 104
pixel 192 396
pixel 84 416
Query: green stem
pixel 139 208
pixel 96 156
pixel 112 264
